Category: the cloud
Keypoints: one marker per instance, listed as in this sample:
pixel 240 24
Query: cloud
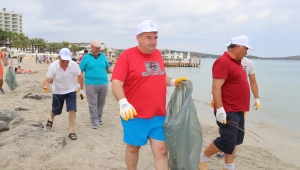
pixel 240 18
pixel 263 13
pixel 192 25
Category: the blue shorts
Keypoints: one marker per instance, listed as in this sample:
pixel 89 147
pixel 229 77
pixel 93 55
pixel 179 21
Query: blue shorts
pixel 58 102
pixel 138 130
pixel 230 134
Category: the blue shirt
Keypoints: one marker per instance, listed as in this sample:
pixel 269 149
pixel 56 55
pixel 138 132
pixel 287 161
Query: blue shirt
pixel 94 69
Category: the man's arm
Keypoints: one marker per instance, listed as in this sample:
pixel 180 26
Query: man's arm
pixel 253 85
pixel 109 69
pixel 46 82
pixel 81 81
pixel 217 93
pixel 117 88
pixel 168 81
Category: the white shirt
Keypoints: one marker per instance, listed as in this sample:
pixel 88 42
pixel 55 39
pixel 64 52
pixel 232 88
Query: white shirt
pixel 63 81
pixel 248 66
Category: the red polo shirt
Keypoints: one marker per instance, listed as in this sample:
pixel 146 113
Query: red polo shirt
pixel 235 90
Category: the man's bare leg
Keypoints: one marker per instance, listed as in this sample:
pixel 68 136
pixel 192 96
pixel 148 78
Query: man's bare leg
pixel 132 156
pixel 229 158
pixel 51 119
pixel 211 150
pixel 160 153
pixel 1 82
pixel 208 152
pixel 72 117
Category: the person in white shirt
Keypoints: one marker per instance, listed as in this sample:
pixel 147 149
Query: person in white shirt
pixel 62 73
pixel 249 68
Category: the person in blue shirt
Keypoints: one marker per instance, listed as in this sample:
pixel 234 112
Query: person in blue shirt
pixel 95 67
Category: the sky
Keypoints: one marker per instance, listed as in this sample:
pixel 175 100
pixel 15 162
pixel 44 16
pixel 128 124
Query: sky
pixel 273 26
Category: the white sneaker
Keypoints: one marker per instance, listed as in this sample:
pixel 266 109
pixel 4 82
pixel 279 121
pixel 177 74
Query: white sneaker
pixel 95 126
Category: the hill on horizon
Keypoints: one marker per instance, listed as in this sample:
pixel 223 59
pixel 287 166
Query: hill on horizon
pixel 206 55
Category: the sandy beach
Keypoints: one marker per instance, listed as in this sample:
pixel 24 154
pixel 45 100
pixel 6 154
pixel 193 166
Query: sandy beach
pixel 103 148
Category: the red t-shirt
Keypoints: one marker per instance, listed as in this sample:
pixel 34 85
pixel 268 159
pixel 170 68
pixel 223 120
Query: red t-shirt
pixel 144 78
pixel 235 90
pixel 80 58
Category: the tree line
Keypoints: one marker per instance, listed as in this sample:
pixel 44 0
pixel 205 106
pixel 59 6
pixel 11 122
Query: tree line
pixel 21 41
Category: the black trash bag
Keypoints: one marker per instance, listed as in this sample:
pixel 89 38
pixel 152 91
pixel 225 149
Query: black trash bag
pixel 182 129
pixel 10 79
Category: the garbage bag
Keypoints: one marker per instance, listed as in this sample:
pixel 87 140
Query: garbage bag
pixel 10 79
pixel 182 129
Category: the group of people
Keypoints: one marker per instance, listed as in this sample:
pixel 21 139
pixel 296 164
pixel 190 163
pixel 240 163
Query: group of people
pixel 139 83
pixel 43 59
pixel 93 85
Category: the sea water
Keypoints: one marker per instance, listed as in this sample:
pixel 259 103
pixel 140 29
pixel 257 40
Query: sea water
pixel 279 91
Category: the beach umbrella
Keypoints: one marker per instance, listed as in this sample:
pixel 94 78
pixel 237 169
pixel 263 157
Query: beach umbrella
pixel 80 52
pixel 180 56
pixel 3 48
pixel 22 54
pixel 54 55
pixel 188 55
pixel 175 56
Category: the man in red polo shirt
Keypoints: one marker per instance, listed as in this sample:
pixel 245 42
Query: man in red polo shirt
pixel 231 95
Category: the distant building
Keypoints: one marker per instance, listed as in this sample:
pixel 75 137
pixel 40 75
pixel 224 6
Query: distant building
pixel 87 45
pixel 11 21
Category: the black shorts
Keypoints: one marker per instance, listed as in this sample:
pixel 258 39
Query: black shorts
pixel 230 135
pixel 58 102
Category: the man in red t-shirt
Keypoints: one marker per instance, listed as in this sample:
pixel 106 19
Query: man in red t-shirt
pixel 231 95
pixel 139 84
pixel 1 70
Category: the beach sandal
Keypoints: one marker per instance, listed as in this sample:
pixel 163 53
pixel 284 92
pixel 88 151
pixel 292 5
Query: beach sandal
pixel 49 124
pixel 72 136
pixel 220 154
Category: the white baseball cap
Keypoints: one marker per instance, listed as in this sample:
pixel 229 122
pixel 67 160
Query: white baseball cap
pixel 147 26
pixel 65 54
pixel 240 40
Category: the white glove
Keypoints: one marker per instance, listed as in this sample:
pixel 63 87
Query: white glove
pixel 127 111
pixel 221 115
pixel 82 94
pixel 257 104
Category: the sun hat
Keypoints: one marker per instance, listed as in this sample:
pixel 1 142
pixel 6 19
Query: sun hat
pixel 96 43
pixel 65 54
pixel 240 40
pixel 147 26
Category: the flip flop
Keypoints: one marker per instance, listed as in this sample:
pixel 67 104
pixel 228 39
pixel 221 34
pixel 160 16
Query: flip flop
pixel 72 136
pixel 220 154
pixel 49 124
